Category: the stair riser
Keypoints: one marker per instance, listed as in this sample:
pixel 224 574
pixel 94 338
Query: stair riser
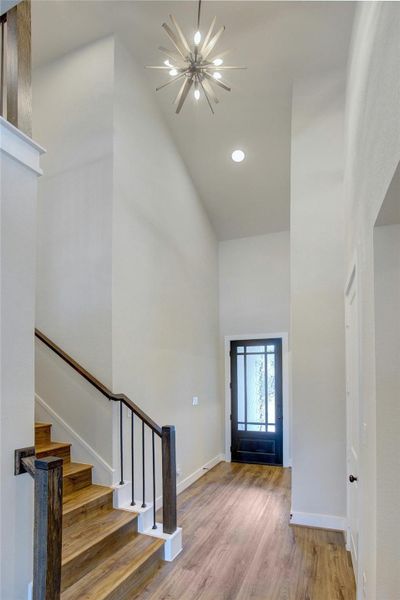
pixel 42 435
pixel 81 513
pixel 82 564
pixel 71 483
pixel 64 453
pixel 137 581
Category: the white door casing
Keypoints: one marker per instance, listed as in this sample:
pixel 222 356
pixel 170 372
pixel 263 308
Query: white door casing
pixel 353 414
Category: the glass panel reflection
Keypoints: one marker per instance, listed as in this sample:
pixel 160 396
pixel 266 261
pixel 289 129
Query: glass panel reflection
pixel 256 428
pixel 255 374
pixel 240 387
pixel 271 387
pixel 252 349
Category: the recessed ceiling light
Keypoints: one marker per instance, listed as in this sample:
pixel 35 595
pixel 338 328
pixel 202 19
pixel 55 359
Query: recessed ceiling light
pixel 238 155
pixel 173 72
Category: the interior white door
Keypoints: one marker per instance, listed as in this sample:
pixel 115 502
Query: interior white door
pixel 353 420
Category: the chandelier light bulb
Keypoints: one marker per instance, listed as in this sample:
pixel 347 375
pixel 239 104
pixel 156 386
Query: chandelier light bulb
pixel 167 63
pixel 197 38
pixel 173 72
pixel 197 94
pixel 218 62
pixel 238 156
pixel 217 75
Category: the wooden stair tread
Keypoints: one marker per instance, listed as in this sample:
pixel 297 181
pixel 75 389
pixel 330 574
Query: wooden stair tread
pixel 81 536
pixel 74 468
pixel 84 496
pixel 113 571
pixel 51 446
pixel 40 424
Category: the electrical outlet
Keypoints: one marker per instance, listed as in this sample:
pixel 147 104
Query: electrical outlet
pixel 195 400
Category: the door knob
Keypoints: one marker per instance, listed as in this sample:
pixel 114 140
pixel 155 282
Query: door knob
pixel 352 478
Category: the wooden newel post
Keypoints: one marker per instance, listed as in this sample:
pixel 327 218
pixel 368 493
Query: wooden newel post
pixel 47 529
pixel 169 478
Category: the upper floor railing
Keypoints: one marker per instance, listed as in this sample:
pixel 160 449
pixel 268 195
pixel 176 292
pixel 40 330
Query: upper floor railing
pixel 15 66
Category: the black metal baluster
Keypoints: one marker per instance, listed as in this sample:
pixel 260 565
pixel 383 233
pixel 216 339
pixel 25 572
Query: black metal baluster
pixel 143 468
pixel 121 444
pixel 133 457
pixel 154 481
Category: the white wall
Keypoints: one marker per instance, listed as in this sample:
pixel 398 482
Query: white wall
pixel 387 348
pixel 254 284
pixel 165 277
pixel 127 260
pixel 317 311
pixel 18 183
pixel 73 117
pixel 373 152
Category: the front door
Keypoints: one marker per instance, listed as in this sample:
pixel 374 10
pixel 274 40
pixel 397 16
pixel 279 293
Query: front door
pixel 256 401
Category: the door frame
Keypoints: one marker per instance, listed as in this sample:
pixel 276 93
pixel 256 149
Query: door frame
pixel 353 279
pixel 287 461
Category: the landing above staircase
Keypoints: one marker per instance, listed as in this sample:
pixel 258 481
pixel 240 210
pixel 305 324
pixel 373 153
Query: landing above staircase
pixel 103 555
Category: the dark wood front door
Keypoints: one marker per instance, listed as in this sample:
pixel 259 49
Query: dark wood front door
pixel 256 401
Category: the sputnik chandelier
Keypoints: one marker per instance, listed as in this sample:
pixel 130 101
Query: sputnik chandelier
pixel 196 66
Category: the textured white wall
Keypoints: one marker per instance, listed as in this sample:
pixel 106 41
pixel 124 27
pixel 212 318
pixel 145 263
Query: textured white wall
pixel 73 118
pixel 254 284
pixel 17 268
pixel 165 277
pixel 317 310
pixel 387 348
pixel 373 152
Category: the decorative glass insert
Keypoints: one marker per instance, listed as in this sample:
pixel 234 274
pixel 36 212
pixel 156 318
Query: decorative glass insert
pixel 255 386
pixel 271 388
pixel 256 427
pixel 240 388
pixel 241 427
pixel 240 350
pixel 254 349
pixel 270 348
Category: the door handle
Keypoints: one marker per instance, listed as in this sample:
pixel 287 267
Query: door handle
pixel 352 479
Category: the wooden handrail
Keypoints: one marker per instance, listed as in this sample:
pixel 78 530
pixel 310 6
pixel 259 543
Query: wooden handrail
pixel 97 384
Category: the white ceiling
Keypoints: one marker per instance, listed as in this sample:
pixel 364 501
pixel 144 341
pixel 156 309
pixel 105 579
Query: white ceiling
pixel 277 41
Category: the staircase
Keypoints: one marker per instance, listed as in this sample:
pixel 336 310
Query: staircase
pixel 103 555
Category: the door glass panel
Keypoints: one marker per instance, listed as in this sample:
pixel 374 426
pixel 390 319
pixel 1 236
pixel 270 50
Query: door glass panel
pixel 240 388
pixel 240 350
pixel 241 427
pixel 271 388
pixel 256 428
pixel 270 348
pixel 255 387
pixel 252 349
pixel 271 428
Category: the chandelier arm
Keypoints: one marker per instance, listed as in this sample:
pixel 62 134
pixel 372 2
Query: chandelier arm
pixel 171 54
pixel 209 89
pixel 223 67
pixel 180 33
pixel 217 82
pixel 177 43
pixel 169 82
pixel 179 94
pixel 208 36
pixel 188 85
pixel 206 95
pixel 212 43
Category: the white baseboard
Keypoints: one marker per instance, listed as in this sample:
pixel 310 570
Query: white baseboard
pixel 319 521
pixel 102 472
pixel 185 483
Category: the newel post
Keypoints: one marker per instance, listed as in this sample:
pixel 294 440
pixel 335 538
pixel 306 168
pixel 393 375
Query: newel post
pixel 169 478
pixel 47 529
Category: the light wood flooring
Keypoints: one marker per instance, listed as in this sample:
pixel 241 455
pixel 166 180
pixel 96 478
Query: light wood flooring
pixel 238 544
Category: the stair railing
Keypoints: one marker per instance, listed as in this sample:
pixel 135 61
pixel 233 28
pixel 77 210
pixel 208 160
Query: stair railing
pixel 165 433
pixel 47 529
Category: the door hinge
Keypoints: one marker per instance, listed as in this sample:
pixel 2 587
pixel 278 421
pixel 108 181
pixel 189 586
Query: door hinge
pixel 230 384
pixel 230 416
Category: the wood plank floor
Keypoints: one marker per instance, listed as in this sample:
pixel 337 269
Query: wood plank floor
pixel 238 544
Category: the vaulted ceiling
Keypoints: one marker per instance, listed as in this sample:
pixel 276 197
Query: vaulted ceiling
pixel 279 42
